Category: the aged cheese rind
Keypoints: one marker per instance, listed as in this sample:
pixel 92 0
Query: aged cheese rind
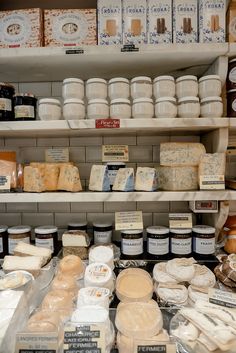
pixel 177 178
pixel 99 180
pixel 212 164
pixel 181 153
pixel 124 180
pixel 146 179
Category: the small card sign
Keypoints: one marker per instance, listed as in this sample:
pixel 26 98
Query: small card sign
pixel 5 183
pixel 222 298
pixel 36 343
pixel 128 220
pixel 57 155
pixel 84 339
pixel 129 48
pixel 155 348
pixel 107 123
pixel 212 182
pixel 75 51
pixel 115 153
pixel 180 220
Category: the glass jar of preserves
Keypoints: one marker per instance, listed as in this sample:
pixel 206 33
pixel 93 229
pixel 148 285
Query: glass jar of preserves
pixel 7 92
pixel 132 244
pixel 17 234
pixel 47 237
pixel 25 107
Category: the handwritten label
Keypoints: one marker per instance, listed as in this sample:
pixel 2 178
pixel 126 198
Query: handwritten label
pixel 57 155
pixel 5 183
pixel 180 220
pixel 36 343
pixel 212 182
pixel 115 153
pixel 107 123
pixel 128 220
pixel 154 348
pixel 222 298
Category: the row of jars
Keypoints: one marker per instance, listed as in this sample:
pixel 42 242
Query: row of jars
pixel 142 87
pixel 142 108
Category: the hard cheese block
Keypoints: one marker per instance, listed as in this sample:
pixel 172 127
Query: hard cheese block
pixel 181 153
pixel 33 180
pixel 177 178
pixel 75 238
pixel 212 164
pixel 124 180
pixel 146 179
pixel 99 180
pixel 69 179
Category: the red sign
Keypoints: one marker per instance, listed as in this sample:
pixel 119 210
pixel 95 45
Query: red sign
pixel 107 123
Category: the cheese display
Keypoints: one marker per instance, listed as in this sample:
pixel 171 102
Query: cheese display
pixel 174 154
pixel 177 178
pixel 98 274
pixel 102 254
pixel 124 180
pixel 146 179
pixel 99 178
pixel 75 242
pixel 175 294
pixel 23 249
pixel 93 296
pixel 160 274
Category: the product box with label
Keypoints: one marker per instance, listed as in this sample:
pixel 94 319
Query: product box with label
pixel 70 27
pixel 231 22
pixel 109 22
pixel 159 21
pixel 21 28
pixel 185 21
pixel 134 21
pixel 212 21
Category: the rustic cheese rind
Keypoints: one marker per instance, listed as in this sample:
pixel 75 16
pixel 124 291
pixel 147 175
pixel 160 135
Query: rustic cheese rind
pixel 177 178
pixel 124 180
pixel 212 164
pixel 146 179
pixel 181 153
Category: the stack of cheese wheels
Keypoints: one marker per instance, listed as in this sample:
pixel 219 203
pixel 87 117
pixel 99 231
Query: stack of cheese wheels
pixel 102 254
pixel 100 275
pixel 93 296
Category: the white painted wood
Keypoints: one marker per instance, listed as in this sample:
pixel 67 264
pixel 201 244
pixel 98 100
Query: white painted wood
pixel 219 67
pixel 216 141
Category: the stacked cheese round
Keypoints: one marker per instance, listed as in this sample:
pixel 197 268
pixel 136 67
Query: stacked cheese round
pixel 99 275
pixel 71 265
pixel 102 254
pixel 93 296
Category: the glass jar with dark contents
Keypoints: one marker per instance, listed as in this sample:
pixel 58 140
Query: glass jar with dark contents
pixel 203 241
pixel 158 242
pixel 181 242
pixel 3 241
pixel 47 237
pixel 24 107
pixel 132 244
pixel 78 226
pixel 6 96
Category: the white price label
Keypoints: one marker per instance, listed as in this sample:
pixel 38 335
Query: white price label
pixel 57 155
pixel 180 220
pixel 212 182
pixel 5 183
pixel 222 298
pixel 128 220
pixel 115 153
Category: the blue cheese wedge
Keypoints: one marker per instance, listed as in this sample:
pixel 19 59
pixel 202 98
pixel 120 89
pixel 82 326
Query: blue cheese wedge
pixel 124 180
pixel 177 178
pixel 69 179
pixel 99 179
pixel 181 153
pixel 33 180
pixel 212 164
pixel 146 179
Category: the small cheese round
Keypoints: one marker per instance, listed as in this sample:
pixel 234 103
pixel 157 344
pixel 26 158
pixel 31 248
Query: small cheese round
pixel 172 294
pixel 181 269
pixel 99 275
pixel 57 299
pixel 102 254
pixel 72 266
pixel 196 294
pixel 160 274
pixel 93 296
pixel 44 321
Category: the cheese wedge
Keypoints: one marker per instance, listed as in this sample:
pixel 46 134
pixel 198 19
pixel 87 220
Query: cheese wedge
pixel 181 153
pixel 69 179
pixel 23 249
pixel 99 179
pixel 27 263
pixel 146 179
pixel 33 180
pixel 124 180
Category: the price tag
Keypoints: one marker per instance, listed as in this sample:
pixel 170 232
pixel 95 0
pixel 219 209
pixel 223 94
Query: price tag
pixel 180 220
pixel 57 155
pixel 154 348
pixel 128 220
pixel 212 182
pixel 107 123
pixel 222 298
pixel 129 48
pixel 36 343
pixel 115 153
pixel 75 51
pixel 5 183
pixel 87 339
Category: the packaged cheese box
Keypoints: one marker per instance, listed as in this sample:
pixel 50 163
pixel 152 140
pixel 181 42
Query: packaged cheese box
pixel 159 21
pixel 109 22
pixel 185 21
pixel 134 21
pixel 70 27
pixel 21 28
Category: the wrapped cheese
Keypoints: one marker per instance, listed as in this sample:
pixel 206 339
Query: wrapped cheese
pixel 175 154
pixel 177 178
pixel 146 179
pixel 99 179
pixel 124 180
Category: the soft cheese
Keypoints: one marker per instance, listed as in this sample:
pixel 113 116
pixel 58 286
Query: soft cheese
pixel 181 153
pixel 23 249
pixel 146 179
pixel 28 263
pixel 177 178
pixel 124 180
pixel 99 179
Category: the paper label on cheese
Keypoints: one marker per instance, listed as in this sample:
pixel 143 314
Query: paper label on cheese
pixel 180 220
pixel 153 347
pixel 212 182
pixel 115 153
pixel 37 342
pixel 5 183
pixel 57 155
pixel 128 220
pixel 222 298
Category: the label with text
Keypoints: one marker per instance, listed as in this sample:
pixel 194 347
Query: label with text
pixel 154 348
pixel 212 182
pixel 107 123
pixel 5 183
pixel 180 220
pixel 75 51
pixel 129 48
pixel 222 298
pixel 57 155
pixel 128 220
pixel 115 153
pixel 36 343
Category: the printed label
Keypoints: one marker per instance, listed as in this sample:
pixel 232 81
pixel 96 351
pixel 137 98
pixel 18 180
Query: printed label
pixel 1 245
pixel 212 182
pixel 99 272
pixel 152 347
pixel 204 246
pixel 36 343
pixel 5 104
pixel 24 111
pixel 70 28
pixel 102 237
pixel 158 246
pixel 205 206
pixel 222 298
pixel 107 123
pixel 109 22
pixel 115 153
pixel 181 246
pixel 180 220
pixel 5 183
pixel 57 155
pixel 13 242
pixel 132 246
pixel 128 220
pixel 159 21
pixel 45 243
pixel 185 21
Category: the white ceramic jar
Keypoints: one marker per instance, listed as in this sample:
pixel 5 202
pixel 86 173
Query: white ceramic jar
pixel 189 107
pixel 73 88
pixel 143 108
pixel 164 86
pixel 141 87
pixel 98 109
pixel 211 107
pixel 49 109
pixel 187 86
pixel 166 107
pixel 73 109
pixel 120 109
pixel 118 88
pixel 96 88
pixel 209 86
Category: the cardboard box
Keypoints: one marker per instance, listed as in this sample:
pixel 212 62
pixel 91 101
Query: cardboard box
pixel 134 21
pixel 159 21
pixel 185 21
pixel 109 22
pixel 21 28
pixel 212 15
pixel 70 27
pixel 231 23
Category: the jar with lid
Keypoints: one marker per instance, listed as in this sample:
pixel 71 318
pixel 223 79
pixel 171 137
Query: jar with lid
pixel 73 109
pixel 98 109
pixel 25 106
pixel 118 88
pixel 132 244
pixel 120 109
pixel 113 168
pixel 211 107
pixel 73 88
pixel 102 233
pixel 231 103
pixel 17 234
pixel 158 242
pixel 96 88
pixel 143 108
pixel 231 77
pixel 3 241
pixel 203 241
pixel 209 86
pixel 141 87
pixel 181 242
pixel 164 86
pixel 47 237
pixel 78 226
pixel 166 107
pixel 7 92
pixel 189 107
pixel 49 109
pixel 186 86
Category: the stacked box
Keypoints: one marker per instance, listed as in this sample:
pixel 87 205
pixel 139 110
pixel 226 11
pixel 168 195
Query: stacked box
pixel 109 22
pixel 159 21
pixel 134 21
pixel 185 21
